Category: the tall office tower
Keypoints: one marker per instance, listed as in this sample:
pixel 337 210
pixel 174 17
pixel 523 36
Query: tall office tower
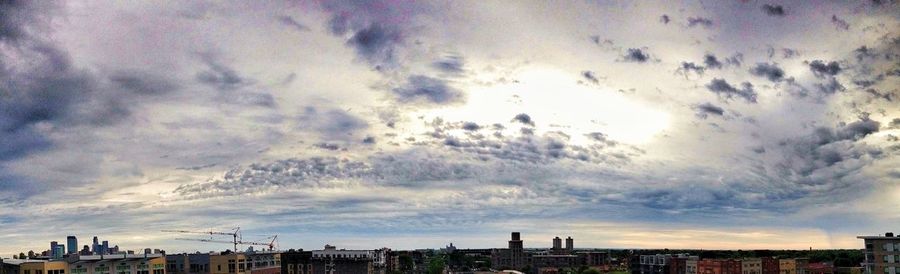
pixel 96 247
pixel 557 244
pixel 570 244
pixel 60 250
pixel 516 251
pixel 105 247
pixel 72 243
pixel 53 245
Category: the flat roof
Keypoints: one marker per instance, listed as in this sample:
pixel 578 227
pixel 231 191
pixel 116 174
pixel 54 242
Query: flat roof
pixel 878 238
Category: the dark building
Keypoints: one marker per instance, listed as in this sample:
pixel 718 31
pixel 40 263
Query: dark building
pixel 539 262
pixel 197 263
pixel 770 265
pixel 72 244
pixel 593 258
pixel 570 245
pixel 679 264
pixel 296 262
pixel 512 257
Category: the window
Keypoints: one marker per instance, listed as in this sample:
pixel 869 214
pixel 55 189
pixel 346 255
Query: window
pixel 79 270
pixel 887 247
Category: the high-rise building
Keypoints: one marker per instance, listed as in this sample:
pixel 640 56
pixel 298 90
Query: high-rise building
pixel 882 254
pixel 557 244
pixel 570 244
pixel 104 248
pixel 60 250
pixel 95 248
pixel 53 246
pixel 72 243
pixel 512 257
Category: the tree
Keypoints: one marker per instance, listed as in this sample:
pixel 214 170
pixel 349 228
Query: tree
pixel 591 271
pixel 436 265
pixel 22 255
pixel 406 262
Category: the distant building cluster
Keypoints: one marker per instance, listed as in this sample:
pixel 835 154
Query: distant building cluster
pixel 546 261
pixel 882 256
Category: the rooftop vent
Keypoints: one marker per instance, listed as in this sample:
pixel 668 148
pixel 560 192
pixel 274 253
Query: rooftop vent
pixel 889 234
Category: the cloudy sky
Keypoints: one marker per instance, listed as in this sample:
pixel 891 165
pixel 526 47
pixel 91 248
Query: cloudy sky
pixel 409 124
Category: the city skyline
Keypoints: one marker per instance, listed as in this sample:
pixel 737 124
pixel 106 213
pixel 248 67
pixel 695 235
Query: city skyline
pixel 365 124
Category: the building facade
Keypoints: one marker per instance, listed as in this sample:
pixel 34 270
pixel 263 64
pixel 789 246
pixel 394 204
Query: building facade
pixel 296 262
pixel 118 264
pixel 751 266
pixel 718 266
pixel 882 254
pixel 197 263
pixel 512 257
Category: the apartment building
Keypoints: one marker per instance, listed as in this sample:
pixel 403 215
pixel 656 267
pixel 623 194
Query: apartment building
pixel 882 254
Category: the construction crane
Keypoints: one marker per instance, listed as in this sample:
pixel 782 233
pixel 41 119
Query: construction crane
pixel 270 244
pixel 235 235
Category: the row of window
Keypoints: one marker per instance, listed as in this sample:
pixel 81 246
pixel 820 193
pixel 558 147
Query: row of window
pixel 890 247
pixel 891 258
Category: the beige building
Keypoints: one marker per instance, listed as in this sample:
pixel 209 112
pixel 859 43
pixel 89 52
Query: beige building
pixel 882 254
pixel 118 264
pixel 43 267
pixel 690 267
pixel 751 266
pixel 787 266
pixel 229 263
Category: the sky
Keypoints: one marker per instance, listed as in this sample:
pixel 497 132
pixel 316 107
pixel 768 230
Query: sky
pixel 413 124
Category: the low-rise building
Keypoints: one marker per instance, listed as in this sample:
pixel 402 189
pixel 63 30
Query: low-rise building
pixel 769 265
pixel 820 268
pixel 751 266
pixel 296 262
pixel 117 264
pixel 719 266
pixel 341 261
pixel 197 263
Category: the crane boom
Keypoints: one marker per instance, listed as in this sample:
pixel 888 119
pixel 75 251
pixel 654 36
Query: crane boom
pixel 235 235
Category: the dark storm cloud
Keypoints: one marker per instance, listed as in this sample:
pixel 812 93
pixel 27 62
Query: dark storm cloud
pixel 420 88
pixel 706 109
pixel 636 55
pixel 770 71
pixel 289 21
pixel 773 10
pixel 887 96
pixel 822 69
pixel 332 124
pixel 450 64
pixel 711 61
pixel 735 60
pixel 829 155
pixel 699 21
pixel 724 89
pixel 524 119
pixel 839 23
pixel 665 19
pixel 43 86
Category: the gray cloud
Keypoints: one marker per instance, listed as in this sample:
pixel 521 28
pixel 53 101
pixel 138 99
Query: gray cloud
pixel 839 23
pixel 289 21
pixel 711 61
pixel 705 109
pixel 450 64
pixel 821 69
pixel 636 55
pixel 524 119
pixel 420 88
pixel 895 124
pixel 699 21
pixel 590 76
pixel 332 124
pixel 773 10
pixel 832 86
pixel 770 71
pixel 219 75
pixel 723 88
pixel 687 67
pixel 665 19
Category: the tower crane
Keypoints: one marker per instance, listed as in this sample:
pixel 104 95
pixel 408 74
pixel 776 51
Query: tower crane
pixel 235 235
